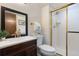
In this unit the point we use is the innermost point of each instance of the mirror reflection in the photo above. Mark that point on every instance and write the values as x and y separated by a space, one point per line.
15 23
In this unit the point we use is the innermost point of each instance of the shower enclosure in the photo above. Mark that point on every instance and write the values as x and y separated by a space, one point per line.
65 30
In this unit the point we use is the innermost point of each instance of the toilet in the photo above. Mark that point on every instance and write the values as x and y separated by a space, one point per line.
45 49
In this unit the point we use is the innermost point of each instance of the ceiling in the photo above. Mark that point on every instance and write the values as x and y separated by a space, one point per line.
53 6
34 6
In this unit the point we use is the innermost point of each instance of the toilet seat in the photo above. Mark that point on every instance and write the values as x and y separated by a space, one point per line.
47 48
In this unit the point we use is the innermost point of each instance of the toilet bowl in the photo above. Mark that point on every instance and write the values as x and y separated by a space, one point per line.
47 50
44 49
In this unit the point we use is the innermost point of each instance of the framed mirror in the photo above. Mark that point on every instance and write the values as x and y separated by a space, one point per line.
14 22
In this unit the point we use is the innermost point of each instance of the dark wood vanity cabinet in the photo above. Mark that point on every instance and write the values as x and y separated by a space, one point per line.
23 49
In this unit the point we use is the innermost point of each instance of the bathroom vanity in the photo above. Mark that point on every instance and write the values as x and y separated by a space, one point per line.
21 46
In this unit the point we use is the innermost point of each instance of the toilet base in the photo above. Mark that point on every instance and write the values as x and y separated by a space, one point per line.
44 52
47 53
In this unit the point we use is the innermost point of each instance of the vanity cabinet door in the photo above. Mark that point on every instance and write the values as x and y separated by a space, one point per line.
13 50
22 53
0 53
31 51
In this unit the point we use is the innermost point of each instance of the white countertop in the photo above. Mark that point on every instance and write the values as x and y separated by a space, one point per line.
14 41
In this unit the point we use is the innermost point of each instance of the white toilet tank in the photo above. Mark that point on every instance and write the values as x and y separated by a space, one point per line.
39 40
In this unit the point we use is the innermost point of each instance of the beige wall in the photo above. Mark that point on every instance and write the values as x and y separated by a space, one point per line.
35 13
45 22
32 10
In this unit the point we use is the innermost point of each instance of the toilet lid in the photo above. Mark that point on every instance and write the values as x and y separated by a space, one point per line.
47 48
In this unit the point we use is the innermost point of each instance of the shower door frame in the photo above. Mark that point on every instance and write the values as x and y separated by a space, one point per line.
66 25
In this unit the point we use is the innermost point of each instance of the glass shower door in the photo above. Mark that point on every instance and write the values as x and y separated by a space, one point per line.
73 30
59 31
